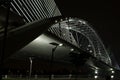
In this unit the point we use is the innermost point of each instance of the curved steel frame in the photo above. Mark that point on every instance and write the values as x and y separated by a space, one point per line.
67 28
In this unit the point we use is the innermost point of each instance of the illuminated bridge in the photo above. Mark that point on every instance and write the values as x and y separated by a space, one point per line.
37 26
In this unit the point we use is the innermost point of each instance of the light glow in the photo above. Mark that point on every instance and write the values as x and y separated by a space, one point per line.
113 71
68 28
55 21
89 45
61 44
83 22
112 76
63 34
71 49
96 71
61 19
95 76
66 18
90 51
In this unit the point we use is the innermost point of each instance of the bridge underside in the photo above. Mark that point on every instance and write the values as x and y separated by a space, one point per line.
32 39
38 46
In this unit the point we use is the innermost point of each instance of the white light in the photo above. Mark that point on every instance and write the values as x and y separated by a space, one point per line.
96 71
71 49
96 77
80 45
96 68
89 45
70 19
113 71
68 28
61 19
55 21
63 34
80 21
83 22
61 44
90 51
87 48
112 76
82 30
99 53
41 39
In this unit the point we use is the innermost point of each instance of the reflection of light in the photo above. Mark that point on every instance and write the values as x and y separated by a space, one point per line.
95 76
61 44
112 76
42 39
56 44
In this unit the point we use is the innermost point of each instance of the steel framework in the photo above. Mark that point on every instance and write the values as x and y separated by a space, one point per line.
79 33
73 30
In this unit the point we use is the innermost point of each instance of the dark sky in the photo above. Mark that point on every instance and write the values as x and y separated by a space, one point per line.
104 16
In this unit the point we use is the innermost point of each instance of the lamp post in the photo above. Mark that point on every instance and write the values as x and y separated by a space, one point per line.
52 56
3 42
30 71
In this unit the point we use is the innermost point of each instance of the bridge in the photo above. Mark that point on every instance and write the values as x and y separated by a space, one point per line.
36 29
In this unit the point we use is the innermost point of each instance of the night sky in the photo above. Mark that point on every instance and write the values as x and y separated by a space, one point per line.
104 16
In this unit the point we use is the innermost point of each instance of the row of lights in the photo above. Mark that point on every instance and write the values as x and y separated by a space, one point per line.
83 22
112 71
96 73
91 51
53 43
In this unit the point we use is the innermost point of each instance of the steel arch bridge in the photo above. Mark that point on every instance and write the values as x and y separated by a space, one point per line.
73 30
80 34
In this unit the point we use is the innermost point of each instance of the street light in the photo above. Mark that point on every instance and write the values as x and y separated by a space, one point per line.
52 56
31 61
112 76
95 76
96 71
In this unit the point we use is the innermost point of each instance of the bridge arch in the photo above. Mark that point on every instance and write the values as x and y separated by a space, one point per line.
79 33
